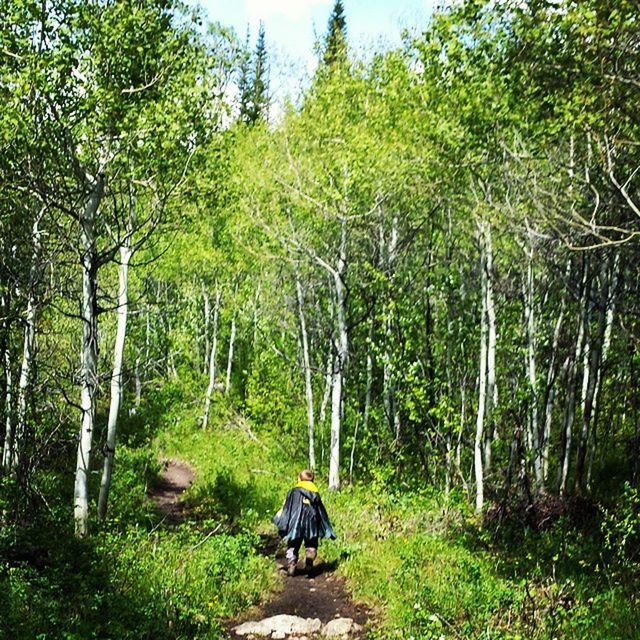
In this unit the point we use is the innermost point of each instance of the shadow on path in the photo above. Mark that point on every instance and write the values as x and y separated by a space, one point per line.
314 593
317 593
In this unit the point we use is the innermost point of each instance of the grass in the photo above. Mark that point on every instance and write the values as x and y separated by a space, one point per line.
431 571
423 563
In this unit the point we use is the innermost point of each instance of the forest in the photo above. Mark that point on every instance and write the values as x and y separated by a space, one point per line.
417 277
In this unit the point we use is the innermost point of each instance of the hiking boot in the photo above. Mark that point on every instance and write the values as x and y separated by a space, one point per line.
310 556
291 569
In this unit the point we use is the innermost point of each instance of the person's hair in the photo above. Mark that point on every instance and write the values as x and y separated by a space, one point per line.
306 475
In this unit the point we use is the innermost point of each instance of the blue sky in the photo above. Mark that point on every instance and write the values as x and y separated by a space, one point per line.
292 27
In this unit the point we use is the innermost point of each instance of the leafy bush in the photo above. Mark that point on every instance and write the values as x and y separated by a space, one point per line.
621 530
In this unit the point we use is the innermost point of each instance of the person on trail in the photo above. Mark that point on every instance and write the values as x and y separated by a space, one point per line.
303 518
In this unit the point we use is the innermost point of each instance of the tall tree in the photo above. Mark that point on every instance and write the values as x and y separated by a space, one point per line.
254 82
334 51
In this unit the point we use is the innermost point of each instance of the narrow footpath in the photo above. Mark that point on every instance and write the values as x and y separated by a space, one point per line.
311 605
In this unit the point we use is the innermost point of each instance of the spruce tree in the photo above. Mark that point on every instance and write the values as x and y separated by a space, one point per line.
335 47
254 82
260 78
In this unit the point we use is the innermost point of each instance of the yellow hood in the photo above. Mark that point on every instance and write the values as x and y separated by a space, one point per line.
308 485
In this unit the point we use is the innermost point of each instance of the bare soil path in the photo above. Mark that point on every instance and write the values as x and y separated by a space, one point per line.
315 594
175 478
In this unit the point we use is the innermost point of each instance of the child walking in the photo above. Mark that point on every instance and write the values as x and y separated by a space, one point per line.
303 518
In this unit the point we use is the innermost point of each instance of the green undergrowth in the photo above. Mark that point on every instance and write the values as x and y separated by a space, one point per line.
138 575
431 571
424 563
240 479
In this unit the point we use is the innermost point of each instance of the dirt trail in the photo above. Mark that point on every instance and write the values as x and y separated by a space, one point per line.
317 593
175 478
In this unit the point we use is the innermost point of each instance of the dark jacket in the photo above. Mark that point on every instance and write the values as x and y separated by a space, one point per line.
303 514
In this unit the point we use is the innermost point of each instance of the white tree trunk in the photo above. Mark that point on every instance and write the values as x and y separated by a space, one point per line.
336 420
28 347
595 372
572 381
367 402
212 361
340 364
88 358
232 340
482 383
389 385
369 380
606 344
322 416
492 387
306 365
551 380
207 320
533 433
147 340
138 383
116 379
8 403
458 453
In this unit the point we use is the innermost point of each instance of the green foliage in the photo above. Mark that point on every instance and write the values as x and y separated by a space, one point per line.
162 582
274 396
434 572
621 531
240 480
168 584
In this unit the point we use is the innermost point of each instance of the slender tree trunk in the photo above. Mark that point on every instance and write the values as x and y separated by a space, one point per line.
594 366
572 382
88 358
212 360
342 349
232 341
207 321
611 304
24 382
458 453
8 405
550 391
336 418
492 387
482 383
369 380
138 383
389 393
116 379
388 376
449 448
328 377
306 365
147 340
533 433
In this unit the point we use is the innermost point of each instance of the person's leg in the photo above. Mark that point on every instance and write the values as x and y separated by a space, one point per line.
310 551
293 547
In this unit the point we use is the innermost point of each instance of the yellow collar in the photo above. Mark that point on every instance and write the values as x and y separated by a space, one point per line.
308 485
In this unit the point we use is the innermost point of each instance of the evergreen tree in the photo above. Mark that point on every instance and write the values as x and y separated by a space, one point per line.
254 82
335 44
